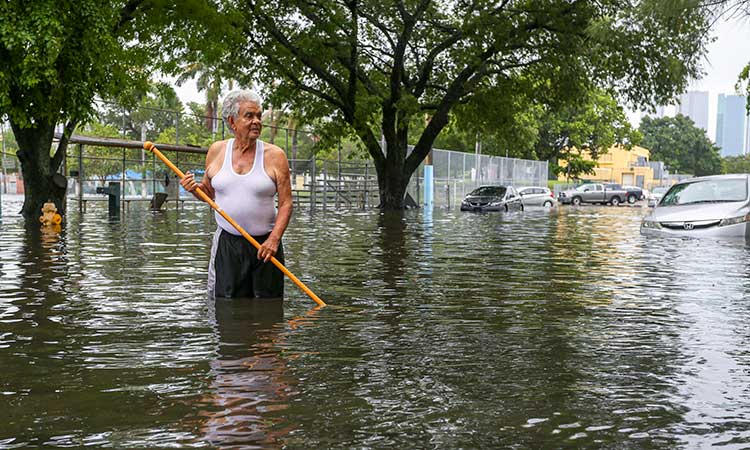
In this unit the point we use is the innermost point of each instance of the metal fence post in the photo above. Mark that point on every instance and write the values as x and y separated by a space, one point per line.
177 128
312 184
367 176
177 191
122 180
80 177
153 173
325 187
340 182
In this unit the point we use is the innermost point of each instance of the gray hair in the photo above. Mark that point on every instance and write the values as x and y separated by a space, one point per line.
230 107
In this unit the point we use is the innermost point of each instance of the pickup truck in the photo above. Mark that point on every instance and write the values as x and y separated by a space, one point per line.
602 193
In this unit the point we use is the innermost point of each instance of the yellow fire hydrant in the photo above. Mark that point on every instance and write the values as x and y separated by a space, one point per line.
50 217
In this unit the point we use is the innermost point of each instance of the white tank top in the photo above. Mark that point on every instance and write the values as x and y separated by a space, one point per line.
247 198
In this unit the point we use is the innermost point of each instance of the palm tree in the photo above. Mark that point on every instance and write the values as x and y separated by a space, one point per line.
207 79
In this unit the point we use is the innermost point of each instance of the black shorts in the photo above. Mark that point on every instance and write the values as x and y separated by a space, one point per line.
235 270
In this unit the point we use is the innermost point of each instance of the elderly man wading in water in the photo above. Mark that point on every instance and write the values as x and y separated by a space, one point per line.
243 175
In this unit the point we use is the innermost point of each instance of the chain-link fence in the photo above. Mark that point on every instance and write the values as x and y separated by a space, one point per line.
455 174
107 150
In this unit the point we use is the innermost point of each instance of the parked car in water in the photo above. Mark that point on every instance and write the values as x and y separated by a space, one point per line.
492 198
602 193
713 206
537 196
656 194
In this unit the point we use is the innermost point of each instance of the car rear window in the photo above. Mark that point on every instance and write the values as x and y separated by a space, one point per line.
706 191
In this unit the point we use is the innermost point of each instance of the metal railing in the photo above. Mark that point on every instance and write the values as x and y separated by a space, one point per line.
316 183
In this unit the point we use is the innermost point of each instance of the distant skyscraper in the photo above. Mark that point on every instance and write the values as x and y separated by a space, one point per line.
694 104
730 124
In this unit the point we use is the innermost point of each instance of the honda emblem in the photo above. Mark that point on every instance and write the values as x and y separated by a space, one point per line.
688 226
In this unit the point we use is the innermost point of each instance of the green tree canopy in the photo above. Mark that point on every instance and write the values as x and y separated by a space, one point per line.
372 66
683 147
736 164
58 56
594 124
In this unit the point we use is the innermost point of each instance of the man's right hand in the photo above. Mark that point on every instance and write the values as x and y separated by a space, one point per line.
191 186
188 182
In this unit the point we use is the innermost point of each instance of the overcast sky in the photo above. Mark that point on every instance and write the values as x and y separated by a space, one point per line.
726 58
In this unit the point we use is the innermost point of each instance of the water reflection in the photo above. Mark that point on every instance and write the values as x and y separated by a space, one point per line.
391 251
250 381
543 329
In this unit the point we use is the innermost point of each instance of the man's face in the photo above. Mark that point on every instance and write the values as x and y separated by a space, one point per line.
247 123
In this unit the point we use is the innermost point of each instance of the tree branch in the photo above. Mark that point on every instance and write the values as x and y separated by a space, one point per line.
62 146
127 13
440 118
308 60
295 79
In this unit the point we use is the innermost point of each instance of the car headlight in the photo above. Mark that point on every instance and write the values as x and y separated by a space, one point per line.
652 224
734 220
495 203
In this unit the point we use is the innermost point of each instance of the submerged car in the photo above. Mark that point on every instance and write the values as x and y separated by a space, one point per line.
713 206
537 195
492 198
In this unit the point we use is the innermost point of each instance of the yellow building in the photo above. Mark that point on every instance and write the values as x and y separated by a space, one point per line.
623 166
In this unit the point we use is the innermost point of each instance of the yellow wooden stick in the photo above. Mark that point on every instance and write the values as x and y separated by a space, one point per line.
152 148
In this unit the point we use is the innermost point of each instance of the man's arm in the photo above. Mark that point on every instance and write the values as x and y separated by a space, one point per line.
282 176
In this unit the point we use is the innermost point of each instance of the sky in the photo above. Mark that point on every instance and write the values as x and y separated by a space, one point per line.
725 58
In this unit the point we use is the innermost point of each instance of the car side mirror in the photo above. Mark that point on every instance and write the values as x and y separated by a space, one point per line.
586 190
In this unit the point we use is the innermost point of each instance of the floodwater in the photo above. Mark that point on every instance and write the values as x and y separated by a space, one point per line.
541 329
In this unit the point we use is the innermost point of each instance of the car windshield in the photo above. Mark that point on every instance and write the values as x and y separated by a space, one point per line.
585 187
706 191
494 191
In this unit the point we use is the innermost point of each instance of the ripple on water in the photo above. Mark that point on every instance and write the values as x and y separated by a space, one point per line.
543 329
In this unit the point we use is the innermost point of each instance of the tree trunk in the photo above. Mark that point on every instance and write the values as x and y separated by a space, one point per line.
41 181
392 177
392 191
211 116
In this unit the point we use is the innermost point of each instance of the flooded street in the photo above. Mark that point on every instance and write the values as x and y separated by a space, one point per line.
541 329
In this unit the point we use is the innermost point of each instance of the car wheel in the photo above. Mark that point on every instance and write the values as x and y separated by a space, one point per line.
615 201
576 201
548 204
631 199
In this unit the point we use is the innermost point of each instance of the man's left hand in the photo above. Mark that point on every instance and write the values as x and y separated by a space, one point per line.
268 249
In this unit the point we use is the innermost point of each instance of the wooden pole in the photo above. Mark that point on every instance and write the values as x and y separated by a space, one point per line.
152 148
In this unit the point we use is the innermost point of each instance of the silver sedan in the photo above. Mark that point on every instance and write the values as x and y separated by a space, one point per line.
714 206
